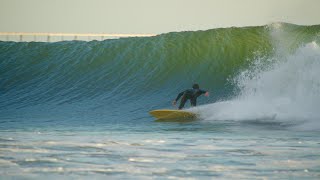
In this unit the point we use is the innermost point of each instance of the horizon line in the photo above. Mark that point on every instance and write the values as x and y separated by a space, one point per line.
75 34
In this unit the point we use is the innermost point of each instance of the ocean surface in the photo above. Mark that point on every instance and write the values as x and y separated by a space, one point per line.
79 110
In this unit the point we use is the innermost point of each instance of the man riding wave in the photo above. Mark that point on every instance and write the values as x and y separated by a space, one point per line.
190 94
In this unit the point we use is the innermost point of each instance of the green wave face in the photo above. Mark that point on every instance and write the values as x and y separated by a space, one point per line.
150 69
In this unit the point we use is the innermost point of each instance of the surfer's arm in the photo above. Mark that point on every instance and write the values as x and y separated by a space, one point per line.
206 93
179 95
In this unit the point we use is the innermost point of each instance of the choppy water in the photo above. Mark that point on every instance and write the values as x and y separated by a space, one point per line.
79 110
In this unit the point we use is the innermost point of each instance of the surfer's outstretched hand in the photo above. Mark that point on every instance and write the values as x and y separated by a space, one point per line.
174 103
206 94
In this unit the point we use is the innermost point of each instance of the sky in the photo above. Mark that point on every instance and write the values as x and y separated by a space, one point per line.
150 16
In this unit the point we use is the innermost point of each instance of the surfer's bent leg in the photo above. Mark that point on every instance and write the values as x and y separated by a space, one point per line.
193 102
183 101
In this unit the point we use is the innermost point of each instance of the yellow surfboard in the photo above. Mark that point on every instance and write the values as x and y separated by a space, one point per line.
169 114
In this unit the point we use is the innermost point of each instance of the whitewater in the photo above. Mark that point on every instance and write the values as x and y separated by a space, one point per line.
286 91
79 110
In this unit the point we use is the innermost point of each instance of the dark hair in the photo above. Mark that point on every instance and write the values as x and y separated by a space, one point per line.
195 86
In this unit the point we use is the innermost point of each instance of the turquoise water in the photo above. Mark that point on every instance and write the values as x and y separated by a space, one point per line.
79 110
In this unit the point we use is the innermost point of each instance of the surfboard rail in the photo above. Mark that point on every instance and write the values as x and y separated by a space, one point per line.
170 114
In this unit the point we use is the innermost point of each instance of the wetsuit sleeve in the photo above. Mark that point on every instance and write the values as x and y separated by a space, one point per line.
202 91
179 95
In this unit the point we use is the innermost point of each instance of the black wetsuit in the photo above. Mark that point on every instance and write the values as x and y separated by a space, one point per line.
191 94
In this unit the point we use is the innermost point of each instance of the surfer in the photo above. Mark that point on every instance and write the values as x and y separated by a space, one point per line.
191 94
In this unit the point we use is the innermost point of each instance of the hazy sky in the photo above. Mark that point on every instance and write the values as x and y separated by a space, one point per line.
149 16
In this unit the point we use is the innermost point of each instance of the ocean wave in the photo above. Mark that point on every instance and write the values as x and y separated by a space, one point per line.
137 73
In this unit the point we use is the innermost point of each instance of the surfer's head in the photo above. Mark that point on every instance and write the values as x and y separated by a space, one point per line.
195 86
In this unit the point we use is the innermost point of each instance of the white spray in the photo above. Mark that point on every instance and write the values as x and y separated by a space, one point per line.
283 88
